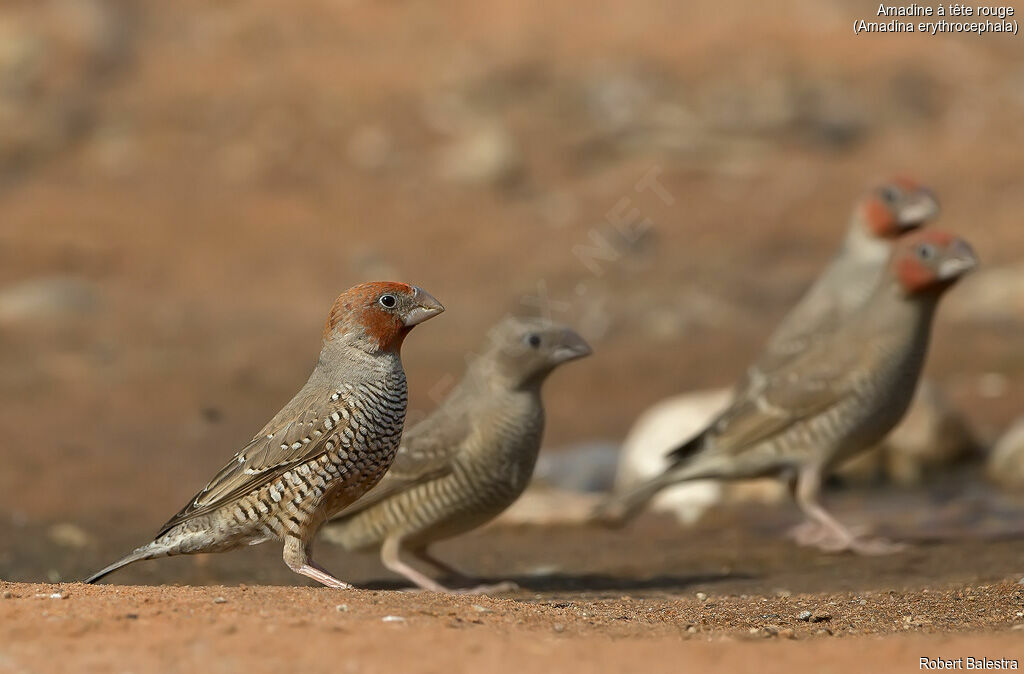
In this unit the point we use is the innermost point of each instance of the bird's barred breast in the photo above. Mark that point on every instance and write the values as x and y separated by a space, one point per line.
356 457
486 478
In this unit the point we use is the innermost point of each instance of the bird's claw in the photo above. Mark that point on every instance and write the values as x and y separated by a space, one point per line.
492 588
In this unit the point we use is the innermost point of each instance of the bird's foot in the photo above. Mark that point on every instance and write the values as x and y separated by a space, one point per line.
858 543
814 534
322 577
490 588
486 588
875 546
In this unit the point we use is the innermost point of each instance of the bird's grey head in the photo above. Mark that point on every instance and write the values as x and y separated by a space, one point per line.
522 351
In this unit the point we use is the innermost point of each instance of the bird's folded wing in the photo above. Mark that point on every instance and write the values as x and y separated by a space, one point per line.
425 454
300 438
809 385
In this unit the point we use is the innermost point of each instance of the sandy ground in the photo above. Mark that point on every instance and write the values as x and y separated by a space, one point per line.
186 186
728 594
51 628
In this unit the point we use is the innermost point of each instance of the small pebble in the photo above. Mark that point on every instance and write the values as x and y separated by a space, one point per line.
341 608
558 627
7 594
481 609
220 600
701 596
804 615
393 619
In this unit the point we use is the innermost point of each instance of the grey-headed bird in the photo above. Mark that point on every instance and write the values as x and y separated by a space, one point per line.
469 460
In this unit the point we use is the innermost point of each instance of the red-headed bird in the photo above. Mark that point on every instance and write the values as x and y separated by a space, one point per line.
327 447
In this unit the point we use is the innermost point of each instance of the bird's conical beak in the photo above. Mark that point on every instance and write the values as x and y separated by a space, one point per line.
425 308
571 347
923 208
959 259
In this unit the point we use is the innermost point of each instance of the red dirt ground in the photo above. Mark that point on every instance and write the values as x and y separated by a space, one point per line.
210 175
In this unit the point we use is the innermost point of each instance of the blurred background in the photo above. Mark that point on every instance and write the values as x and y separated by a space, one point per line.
186 186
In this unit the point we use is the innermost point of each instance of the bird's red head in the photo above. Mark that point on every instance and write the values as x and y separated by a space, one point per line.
898 206
378 315
931 259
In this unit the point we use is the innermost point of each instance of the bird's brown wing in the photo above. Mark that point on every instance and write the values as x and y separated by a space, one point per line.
293 440
425 454
820 378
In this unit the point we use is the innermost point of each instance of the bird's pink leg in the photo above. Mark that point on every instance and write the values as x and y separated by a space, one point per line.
444 567
481 588
390 556
297 555
833 536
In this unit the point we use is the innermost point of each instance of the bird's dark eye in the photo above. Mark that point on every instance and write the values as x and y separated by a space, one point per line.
533 341
926 252
889 195
388 301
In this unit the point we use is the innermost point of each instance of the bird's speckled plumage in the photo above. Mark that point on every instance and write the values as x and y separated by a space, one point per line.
324 449
471 458
839 397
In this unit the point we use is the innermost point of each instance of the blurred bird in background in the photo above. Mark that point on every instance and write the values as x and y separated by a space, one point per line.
836 398
324 449
469 460
884 214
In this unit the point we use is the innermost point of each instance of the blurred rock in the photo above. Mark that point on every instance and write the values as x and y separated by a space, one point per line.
932 437
1006 461
542 506
47 299
830 115
993 385
68 535
54 55
588 467
483 155
616 98
992 295
820 112
660 429
371 147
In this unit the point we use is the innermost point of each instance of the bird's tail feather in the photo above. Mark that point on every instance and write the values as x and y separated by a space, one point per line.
621 507
148 551
687 449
